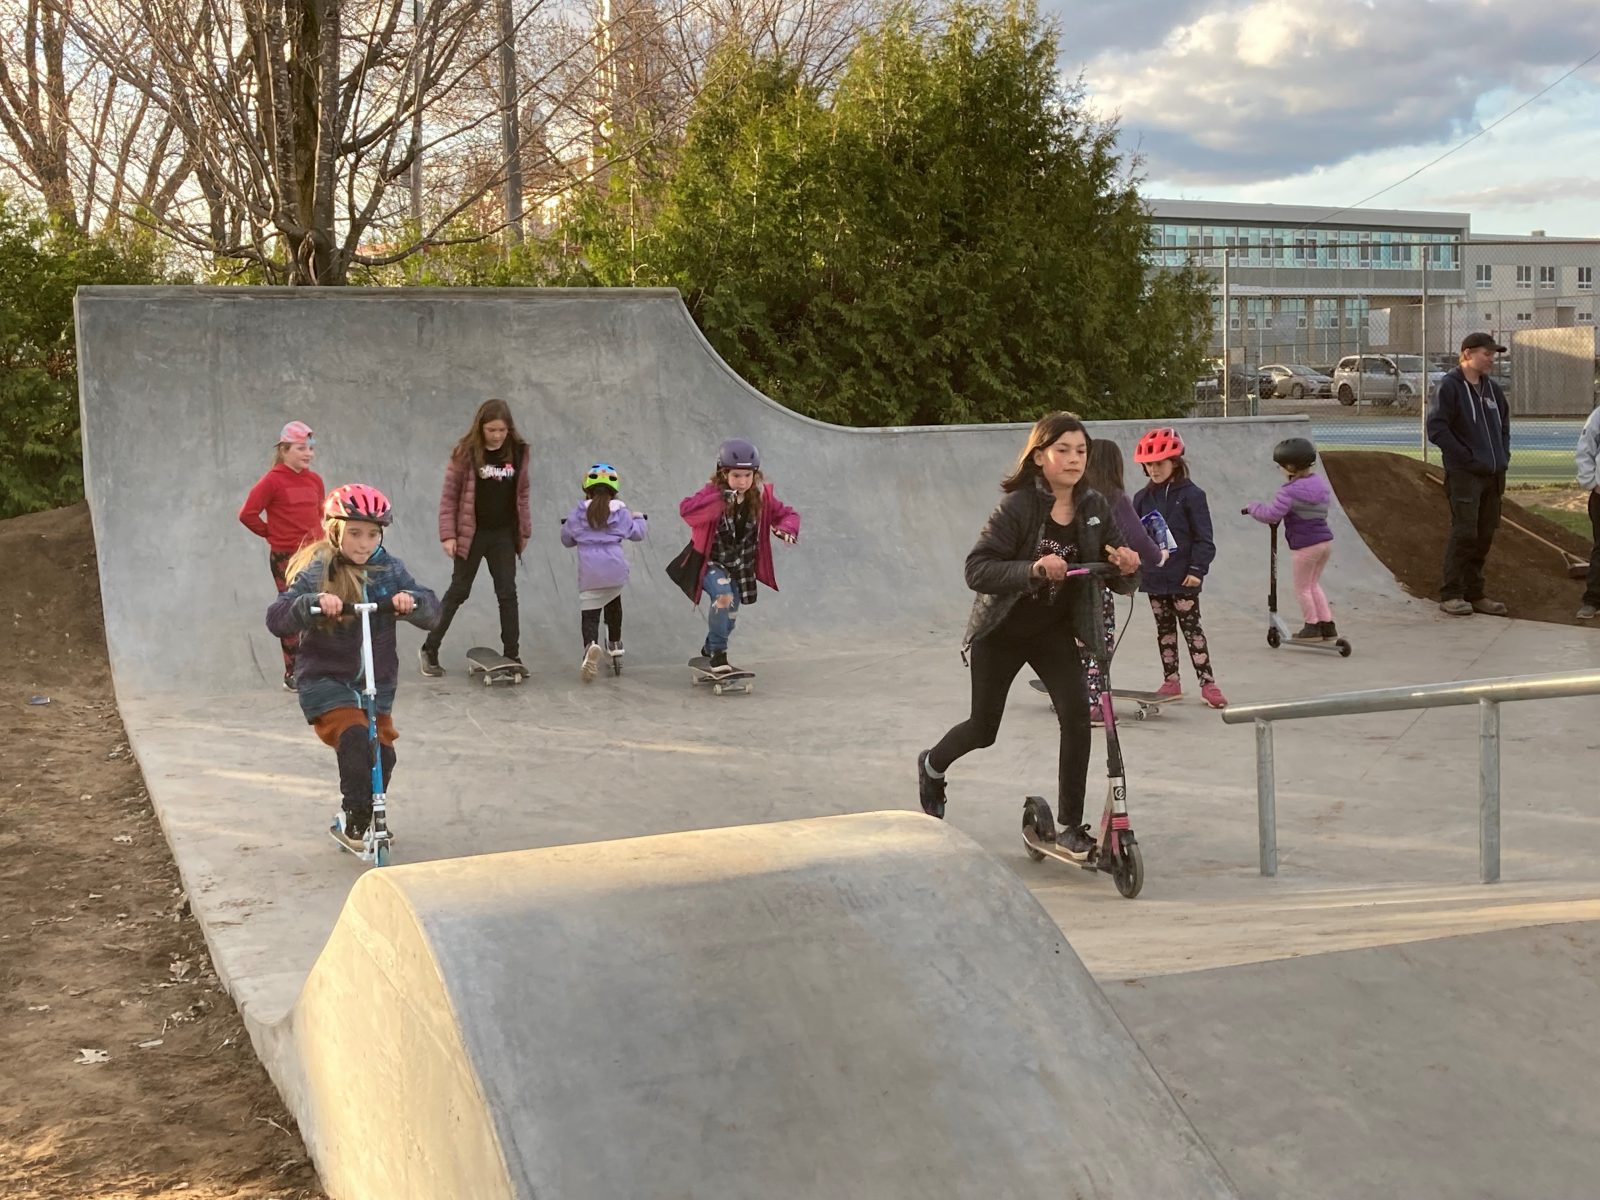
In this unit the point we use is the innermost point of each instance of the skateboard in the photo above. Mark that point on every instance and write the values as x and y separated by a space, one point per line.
728 681
1149 702
494 666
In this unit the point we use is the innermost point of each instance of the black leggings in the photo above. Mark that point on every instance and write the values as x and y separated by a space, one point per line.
499 548
591 622
995 663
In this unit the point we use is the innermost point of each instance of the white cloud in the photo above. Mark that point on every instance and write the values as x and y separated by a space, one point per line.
1524 194
1275 88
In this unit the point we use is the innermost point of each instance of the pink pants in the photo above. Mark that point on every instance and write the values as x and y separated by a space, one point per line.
1308 564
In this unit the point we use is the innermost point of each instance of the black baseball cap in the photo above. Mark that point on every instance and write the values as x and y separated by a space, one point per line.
1481 341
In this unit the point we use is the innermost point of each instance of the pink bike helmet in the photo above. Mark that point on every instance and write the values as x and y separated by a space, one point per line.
357 502
1158 445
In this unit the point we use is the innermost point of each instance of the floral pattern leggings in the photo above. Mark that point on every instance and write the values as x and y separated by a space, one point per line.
1097 675
1173 613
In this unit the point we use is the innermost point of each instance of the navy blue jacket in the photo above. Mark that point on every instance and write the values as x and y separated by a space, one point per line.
1471 437
1183 505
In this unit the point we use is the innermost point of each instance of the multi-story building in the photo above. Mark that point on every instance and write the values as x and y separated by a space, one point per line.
1297 284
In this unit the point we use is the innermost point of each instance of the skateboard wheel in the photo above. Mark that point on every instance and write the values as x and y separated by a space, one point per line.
716 689
487 680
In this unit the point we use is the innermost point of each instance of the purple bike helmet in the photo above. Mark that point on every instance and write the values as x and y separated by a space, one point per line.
738 454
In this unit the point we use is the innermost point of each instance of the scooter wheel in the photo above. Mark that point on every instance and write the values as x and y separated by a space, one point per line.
380 853
1128 870
1344 648
1274 639
1036 819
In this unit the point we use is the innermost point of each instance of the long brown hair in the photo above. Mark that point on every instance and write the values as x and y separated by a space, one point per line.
1045 432
1104 472
339 575
599 509
471 448
752 498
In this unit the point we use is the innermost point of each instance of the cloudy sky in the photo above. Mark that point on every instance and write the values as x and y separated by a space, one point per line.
1323 102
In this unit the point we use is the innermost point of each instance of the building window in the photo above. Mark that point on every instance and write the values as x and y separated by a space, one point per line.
1484 274
1586 279
1547 279
1525 277
1364 252
1524 318
1293 312
1325 313
1585 318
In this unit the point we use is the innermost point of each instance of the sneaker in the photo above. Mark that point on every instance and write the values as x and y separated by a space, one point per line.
1491 608
1308 633
348 833
1075 839
430 662
591 662
614 650
289 684
719 663
1586 613
1096 719
1456 608
929 790
1170 689
1330 631
1213 696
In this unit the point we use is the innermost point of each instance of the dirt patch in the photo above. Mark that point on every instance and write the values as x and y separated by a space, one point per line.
1398 506
98 951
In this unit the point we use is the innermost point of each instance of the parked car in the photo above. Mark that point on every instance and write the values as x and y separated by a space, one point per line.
1383 379
1293 381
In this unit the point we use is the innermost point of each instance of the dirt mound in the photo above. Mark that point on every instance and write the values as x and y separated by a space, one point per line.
1398 505
97 949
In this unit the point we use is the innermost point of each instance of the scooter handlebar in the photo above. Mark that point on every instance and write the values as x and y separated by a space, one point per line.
386 605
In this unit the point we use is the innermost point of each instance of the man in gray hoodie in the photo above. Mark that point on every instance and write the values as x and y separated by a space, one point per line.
1588 456
1470 422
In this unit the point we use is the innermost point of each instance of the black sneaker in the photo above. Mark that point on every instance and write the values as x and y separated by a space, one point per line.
929 789
288 682
719 664
1075 839
430 662
1330 631
1308 633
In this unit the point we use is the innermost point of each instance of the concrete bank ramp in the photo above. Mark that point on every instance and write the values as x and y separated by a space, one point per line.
852 1006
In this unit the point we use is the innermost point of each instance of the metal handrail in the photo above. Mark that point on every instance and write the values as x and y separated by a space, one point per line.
1487 694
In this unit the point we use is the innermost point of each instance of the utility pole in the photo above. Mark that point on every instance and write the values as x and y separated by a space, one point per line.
510 138
1227 324
1427 366
416 116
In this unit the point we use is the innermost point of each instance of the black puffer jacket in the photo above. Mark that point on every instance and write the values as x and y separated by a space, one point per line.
998 566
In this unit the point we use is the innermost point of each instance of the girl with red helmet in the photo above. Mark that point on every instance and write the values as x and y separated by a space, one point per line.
1174 586
484 516
350 565
285 508
1027 611
732 521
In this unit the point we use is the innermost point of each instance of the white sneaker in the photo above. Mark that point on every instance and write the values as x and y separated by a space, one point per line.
591 662
614 651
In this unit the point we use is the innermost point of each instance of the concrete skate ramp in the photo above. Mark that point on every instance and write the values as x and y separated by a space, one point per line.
184 391
850 1006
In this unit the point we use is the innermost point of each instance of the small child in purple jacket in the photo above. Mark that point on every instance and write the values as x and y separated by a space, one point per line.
1302 505
597 527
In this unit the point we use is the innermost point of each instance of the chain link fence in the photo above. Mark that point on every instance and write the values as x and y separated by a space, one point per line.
1356 330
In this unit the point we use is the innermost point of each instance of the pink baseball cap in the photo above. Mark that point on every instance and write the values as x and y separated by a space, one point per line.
296 431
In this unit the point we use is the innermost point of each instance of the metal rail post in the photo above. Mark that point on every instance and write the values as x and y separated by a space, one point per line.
1489 790
1266 800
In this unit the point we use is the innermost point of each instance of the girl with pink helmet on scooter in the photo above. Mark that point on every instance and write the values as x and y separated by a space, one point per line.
349 566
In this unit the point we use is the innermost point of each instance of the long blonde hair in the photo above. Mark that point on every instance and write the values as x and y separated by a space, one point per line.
340 576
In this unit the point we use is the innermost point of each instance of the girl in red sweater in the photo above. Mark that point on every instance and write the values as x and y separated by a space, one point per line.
285 507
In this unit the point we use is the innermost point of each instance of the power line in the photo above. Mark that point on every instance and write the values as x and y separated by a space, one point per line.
1462 145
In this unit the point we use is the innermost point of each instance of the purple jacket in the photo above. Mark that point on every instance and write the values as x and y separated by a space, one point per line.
601 562
1134 534
1302 506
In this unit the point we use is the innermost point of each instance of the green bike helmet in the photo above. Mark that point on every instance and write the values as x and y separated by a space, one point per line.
603 474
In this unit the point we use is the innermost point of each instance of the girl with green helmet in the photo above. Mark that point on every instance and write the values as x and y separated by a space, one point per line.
596 528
